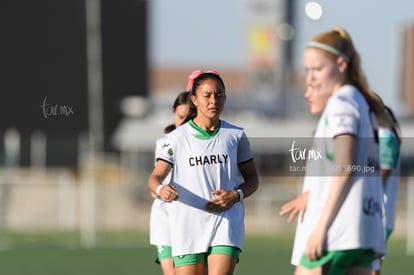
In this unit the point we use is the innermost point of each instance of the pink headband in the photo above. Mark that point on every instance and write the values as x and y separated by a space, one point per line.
196 74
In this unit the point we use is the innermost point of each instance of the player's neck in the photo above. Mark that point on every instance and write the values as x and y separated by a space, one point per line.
208 125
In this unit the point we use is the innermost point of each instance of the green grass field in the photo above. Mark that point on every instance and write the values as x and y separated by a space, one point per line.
129 253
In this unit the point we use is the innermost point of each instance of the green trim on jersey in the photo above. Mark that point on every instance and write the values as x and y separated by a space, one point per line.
203 134
330 155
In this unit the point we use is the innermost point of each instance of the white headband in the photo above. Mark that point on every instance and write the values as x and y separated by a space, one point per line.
328 48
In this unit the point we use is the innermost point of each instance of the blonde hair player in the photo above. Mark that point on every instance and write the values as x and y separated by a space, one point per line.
340 228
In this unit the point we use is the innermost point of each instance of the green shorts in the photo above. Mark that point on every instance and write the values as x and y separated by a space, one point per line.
163 252
337 262
192 259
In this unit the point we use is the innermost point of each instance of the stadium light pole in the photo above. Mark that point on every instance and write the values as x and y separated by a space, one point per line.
95 117
94 73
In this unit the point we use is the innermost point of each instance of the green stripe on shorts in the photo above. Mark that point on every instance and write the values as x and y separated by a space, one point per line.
339 261
164 252
192 259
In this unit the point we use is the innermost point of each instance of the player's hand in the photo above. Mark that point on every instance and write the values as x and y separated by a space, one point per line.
295 207
315 244
168 193
224 200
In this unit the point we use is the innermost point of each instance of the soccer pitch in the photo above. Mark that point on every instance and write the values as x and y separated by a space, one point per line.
129 253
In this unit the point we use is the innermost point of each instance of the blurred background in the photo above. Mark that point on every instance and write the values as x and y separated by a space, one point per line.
88 87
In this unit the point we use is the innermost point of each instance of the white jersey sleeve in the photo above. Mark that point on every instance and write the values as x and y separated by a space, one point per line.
166 151
343 116
244 152
158 145
159 224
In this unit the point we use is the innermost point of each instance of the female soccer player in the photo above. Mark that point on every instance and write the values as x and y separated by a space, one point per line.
340 230
207 156
389 147
159 228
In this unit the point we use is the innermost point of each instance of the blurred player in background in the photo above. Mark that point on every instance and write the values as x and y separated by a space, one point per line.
389 147
159 228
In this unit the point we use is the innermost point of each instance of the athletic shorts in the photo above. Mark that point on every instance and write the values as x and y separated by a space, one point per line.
337 262
192 259
163 252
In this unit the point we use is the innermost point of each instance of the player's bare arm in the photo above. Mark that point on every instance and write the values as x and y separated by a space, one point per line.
167 193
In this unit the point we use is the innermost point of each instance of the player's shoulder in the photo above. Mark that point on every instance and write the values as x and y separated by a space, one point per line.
347 100
160 141
177 133
353 96
232 131
346 95
229 126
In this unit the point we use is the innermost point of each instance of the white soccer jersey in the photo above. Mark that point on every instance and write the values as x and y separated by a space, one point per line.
389 159
358 224
159 227
203 163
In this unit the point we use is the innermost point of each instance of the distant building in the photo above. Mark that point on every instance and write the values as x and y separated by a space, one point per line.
168 79
408 70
